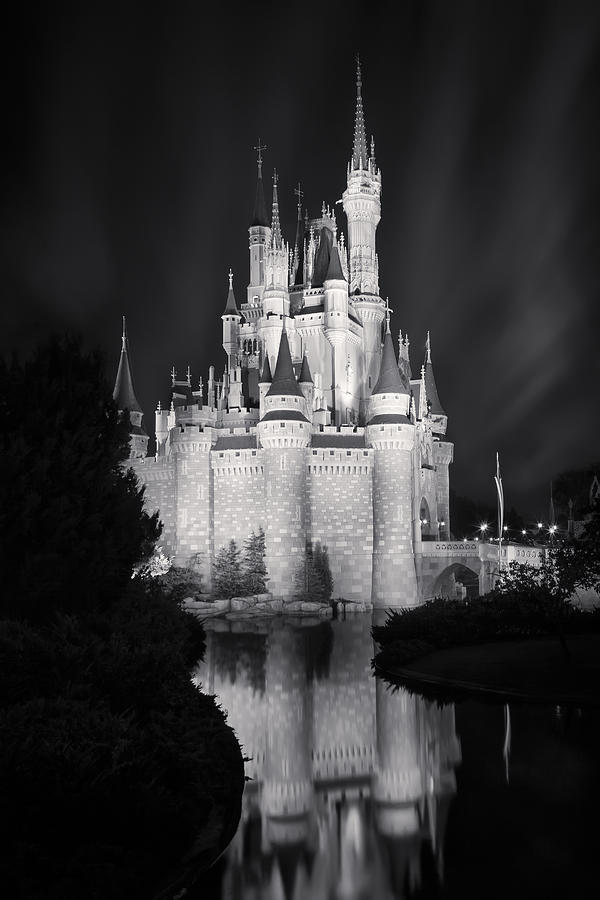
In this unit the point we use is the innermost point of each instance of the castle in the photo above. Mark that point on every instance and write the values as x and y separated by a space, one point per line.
315 431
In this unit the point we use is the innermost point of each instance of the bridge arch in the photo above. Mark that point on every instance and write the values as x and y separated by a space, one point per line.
427 530
456 579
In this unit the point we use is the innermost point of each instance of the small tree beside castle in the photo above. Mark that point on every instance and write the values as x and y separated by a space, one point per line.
235 575
314 581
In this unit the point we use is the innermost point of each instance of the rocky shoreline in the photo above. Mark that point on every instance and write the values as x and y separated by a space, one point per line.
265 605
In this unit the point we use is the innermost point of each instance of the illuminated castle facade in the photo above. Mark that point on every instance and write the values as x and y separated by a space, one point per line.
315 431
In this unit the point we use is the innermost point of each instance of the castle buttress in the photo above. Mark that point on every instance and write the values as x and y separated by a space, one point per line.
314 430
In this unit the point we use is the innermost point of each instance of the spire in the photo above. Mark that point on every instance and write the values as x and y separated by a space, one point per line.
435 406
359 148
334 270
260 207
123 393
305 376
277 240
266 377
231 306
390 380
284 380
298 264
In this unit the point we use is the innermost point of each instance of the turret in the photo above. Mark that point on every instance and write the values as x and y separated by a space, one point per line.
284 434
307 386
275 298
259 235
392 436
436 411
362 205
336 330
126 401
264 383
231 319
443 450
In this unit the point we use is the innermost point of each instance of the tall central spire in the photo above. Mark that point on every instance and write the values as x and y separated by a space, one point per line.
359 148
275 226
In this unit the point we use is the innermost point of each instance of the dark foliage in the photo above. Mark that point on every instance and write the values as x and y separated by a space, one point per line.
228 579
111 762
71 519
313 581
240 654
181 582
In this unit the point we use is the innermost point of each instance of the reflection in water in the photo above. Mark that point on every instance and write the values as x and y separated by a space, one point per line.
351 781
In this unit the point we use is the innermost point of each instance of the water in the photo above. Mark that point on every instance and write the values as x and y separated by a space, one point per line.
360 791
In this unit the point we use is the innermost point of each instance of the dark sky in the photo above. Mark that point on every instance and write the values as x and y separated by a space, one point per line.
129 175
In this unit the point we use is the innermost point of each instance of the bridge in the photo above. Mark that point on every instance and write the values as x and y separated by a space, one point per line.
467 568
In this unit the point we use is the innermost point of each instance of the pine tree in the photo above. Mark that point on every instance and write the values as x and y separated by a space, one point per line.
227 574
255 570
321 563
309 583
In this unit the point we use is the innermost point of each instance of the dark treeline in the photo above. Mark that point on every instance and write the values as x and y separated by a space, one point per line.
111 762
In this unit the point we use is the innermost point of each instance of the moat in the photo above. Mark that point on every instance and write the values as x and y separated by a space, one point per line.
358 790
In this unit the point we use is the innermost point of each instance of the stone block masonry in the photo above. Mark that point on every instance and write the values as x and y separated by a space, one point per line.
340 508
239 495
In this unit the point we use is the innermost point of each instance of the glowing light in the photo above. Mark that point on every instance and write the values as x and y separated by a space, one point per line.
483 527
524 532
540 524
506 528
552 529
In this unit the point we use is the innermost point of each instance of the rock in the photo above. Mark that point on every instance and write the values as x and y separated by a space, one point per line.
311 607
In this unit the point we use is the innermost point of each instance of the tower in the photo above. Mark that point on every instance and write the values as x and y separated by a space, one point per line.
124 397
231 319
259 234
392 436
336 329
443 450
284 434
362 205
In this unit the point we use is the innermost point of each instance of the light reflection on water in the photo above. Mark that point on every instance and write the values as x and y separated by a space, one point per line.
352 783
350 779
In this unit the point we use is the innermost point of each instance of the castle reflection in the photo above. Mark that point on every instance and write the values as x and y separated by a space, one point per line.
351 781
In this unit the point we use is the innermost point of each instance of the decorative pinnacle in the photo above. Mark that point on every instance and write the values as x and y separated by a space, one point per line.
189 375
428 349
230 276
124 337
359 149
173 375
259 149
277 240
299 194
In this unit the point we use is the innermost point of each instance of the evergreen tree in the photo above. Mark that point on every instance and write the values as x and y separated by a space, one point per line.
309 583
227 573
321 563
255 570
72 524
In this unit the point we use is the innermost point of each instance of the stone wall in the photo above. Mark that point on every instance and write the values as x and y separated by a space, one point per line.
239 495
158 478
340 508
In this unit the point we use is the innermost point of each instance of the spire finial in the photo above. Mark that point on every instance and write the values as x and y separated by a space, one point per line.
299 194
259 160
230 276
428 348
388 312
173 376
124 336
359 149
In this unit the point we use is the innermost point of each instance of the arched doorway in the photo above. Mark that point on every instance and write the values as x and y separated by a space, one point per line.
456 582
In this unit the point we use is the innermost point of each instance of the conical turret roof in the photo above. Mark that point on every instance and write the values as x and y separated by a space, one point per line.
284 381
435 406
123 393
322 257
231 306
266 377
334 271
305 376
390 380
